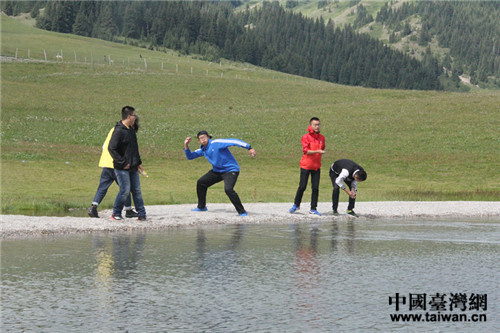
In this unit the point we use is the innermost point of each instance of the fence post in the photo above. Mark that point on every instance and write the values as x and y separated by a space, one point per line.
29 51
16 52
75 55
177 68
45 54
145 64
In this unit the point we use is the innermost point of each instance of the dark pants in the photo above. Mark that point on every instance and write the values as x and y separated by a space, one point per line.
211 178
107 178
336 192
304 175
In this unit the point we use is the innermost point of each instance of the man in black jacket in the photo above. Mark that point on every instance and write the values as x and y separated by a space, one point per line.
124 150
351 173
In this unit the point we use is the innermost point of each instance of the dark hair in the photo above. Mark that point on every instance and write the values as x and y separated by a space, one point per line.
127 111
200 133
313 118
136 123
362 175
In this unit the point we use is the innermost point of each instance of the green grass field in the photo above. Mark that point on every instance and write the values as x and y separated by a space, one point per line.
414 145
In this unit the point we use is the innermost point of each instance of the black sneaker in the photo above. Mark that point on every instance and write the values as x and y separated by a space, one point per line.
335 213
131 213
142 218
93 211
352 213
116 217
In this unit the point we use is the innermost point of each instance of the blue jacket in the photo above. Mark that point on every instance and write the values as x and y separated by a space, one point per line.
218 154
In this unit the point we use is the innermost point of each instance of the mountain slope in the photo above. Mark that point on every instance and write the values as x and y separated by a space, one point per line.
266 36
462 35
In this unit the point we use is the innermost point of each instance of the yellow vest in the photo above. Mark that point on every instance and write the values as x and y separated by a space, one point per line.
106 160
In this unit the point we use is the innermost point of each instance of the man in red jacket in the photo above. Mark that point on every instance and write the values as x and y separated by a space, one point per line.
313 146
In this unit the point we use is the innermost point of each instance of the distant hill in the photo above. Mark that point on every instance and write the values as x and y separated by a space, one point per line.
267 36
464 36
406 45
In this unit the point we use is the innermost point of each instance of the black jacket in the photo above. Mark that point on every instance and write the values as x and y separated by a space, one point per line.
123 147
349 165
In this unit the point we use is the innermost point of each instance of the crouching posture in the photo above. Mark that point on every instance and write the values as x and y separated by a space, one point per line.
349 172
225 167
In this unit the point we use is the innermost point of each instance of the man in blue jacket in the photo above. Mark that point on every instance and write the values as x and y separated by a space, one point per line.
225 167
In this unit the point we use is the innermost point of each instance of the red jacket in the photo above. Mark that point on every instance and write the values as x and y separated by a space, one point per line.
312 141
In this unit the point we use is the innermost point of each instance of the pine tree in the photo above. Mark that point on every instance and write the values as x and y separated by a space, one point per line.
392 38
64 17
406 29
130 26
83 25
35 10
105 28
8 8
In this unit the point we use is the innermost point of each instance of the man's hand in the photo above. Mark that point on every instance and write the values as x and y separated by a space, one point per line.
252 152
352 194
127 167
310 152
186 142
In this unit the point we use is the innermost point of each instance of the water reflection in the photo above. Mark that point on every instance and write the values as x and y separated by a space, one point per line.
332 276
307 277
119 258
351 236
226 253
343 240
335 235
116 263
306 249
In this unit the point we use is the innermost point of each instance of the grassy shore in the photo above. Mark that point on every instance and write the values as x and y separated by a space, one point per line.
414 145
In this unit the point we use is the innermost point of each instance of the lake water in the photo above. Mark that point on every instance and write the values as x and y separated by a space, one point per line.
332 276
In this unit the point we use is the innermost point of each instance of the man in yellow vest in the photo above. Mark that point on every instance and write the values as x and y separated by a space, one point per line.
108 177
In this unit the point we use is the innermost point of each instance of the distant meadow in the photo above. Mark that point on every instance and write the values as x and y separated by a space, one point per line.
57 111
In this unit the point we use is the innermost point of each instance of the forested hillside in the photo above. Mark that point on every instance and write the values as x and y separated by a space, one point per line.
469 29
267 36
462 35
459 37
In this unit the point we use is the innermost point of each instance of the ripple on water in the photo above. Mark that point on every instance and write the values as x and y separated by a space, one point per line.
321 277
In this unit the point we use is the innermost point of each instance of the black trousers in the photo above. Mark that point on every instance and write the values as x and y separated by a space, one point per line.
304 176
336 192
211 178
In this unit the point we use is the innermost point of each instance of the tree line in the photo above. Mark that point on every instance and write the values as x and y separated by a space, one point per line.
268 36
470 29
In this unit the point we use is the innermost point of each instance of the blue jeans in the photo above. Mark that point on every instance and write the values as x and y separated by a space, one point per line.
107 178
129 183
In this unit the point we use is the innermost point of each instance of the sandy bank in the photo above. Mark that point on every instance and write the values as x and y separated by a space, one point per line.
161 217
